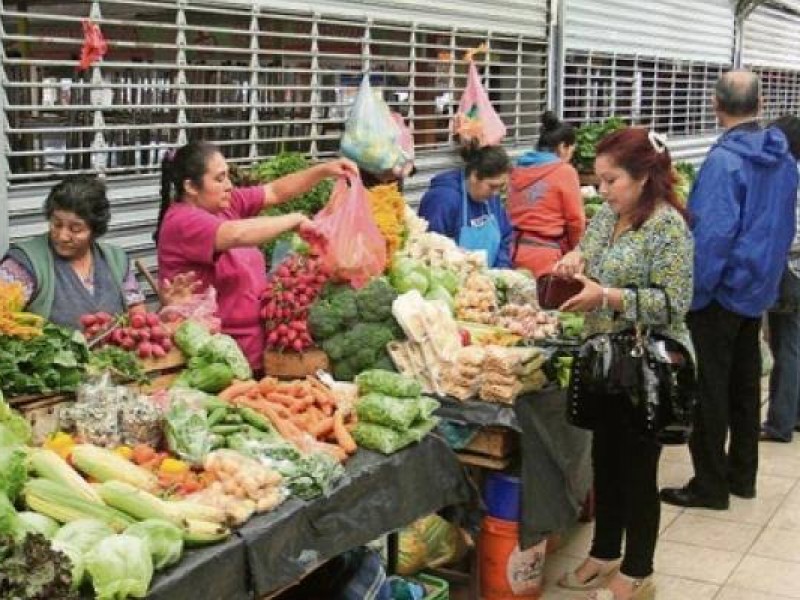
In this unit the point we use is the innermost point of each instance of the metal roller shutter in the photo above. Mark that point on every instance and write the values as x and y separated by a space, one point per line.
648 64
256 78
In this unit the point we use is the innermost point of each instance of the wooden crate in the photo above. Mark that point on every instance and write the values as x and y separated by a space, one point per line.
292 365
174 360
43 413
497 442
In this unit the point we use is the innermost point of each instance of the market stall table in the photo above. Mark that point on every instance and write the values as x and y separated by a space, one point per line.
379 494
555 457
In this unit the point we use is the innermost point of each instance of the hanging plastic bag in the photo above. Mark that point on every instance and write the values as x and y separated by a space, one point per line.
372 137
406 141
356 250
476 119
94 44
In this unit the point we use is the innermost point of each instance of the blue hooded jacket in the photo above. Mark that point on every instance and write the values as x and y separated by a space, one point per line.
442 205
743 220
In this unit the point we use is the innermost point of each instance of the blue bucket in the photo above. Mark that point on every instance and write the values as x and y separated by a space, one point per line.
501 494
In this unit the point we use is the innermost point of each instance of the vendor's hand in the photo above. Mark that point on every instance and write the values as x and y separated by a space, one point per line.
308 231
340 167
570 265
588 299
180 290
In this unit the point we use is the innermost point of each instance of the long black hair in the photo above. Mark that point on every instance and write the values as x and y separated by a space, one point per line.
485 161
554 132
189 162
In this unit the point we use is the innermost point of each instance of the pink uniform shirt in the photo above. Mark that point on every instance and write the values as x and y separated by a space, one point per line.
186 243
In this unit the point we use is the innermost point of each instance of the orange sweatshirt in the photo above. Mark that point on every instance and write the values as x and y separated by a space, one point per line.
545 200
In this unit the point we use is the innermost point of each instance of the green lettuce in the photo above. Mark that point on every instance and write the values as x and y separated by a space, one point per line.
164 540
120 566
13 472
83 534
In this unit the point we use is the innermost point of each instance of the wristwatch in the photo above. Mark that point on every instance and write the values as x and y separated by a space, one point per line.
604 305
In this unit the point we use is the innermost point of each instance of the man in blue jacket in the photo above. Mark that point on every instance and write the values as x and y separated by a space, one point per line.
742 208
464 204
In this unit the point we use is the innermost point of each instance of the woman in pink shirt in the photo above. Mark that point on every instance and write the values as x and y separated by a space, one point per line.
213 230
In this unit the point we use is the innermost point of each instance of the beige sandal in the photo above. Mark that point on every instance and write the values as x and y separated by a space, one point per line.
606 570
643 589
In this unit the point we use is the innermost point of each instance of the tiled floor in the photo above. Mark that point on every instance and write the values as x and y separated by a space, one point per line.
750 552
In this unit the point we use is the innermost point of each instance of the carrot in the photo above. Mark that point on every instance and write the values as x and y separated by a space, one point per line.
343 437
316 413
237 388
322 428
323 389
285 427
335 451
267 385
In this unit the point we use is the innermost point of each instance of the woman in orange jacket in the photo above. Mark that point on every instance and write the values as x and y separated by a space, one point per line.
544 200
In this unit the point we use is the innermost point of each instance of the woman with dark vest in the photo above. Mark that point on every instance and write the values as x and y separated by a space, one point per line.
66 272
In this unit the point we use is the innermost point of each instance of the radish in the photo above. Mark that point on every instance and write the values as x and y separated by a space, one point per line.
297 345
138 321
145 350
158 351
88 320
166 344
152 319
157 333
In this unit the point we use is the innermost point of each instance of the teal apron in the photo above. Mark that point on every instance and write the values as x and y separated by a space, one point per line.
479 234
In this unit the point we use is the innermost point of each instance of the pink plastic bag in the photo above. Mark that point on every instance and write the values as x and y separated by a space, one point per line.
476 118
355 250
202 307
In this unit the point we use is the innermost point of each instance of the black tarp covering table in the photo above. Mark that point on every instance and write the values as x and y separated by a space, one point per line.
555 457
379 494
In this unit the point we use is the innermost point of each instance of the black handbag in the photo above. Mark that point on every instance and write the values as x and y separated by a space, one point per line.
653 372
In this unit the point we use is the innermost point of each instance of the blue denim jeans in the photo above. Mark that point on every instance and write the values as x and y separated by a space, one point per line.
784 341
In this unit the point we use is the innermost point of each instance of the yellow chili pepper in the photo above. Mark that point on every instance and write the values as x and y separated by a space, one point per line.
173 466
125 452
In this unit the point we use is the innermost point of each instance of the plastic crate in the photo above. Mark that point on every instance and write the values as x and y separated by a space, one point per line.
435 588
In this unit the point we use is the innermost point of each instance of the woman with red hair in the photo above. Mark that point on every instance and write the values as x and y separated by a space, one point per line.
637 246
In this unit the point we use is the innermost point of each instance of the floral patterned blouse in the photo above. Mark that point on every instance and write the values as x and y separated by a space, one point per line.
657 258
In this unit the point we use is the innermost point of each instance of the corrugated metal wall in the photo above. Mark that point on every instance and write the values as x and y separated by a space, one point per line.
772 38
667 28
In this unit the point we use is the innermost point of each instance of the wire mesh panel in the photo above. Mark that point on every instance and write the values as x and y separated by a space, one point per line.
669 95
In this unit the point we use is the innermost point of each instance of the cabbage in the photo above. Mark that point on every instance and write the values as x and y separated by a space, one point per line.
77 561
164 540
191 336
438 292
120 566
410 280
221 348
83 534
445 278
36 523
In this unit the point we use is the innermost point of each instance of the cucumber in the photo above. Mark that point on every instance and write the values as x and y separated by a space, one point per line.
218 441
226 429
217 416
256 419
212 403
233 418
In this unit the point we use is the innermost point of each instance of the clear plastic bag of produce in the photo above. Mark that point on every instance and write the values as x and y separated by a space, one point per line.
397 413
355 249
430 542
386 382
187 431
201 308
379 438
191 336
476 120
372 137
419 429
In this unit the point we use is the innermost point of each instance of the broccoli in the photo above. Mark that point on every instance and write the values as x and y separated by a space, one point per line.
344 303
323 321
384 362
343 371
369 335
336 347
375 301
363 358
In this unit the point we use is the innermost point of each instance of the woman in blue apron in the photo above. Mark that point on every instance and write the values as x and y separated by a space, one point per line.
464 204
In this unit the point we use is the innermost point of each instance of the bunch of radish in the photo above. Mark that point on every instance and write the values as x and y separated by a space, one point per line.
290 292
142 333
